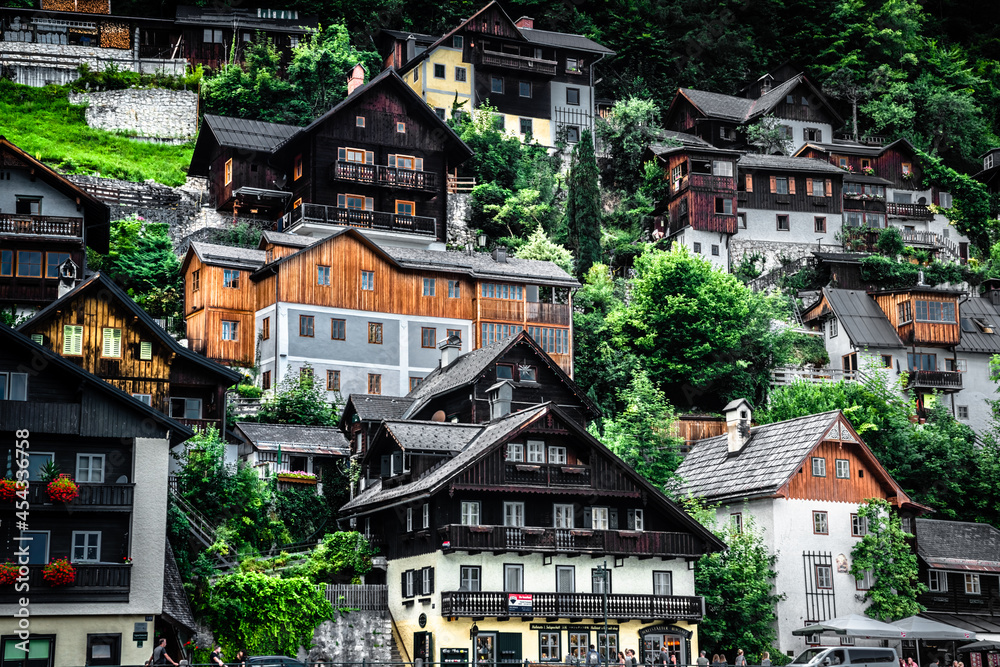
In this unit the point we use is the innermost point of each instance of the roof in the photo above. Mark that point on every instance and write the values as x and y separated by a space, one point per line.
958 545
767 460
374 407
280 238
683 137
176 607
974 339
403 34
862 319
718 105
228 256
865 178
231 17
841 257
844 147
102 282
785 163
431 436
564 40
295 438
254 135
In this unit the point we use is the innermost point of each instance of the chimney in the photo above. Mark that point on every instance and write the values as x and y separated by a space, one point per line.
450 350
738 416
500 254
525 22
356 78
68 272
500 395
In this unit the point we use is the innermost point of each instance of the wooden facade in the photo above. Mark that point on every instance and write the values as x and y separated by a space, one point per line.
208 302
758 190
901 309
863 482
699 198
891 162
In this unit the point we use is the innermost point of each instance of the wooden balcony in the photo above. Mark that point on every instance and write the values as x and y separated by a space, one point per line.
786 375
713 183
200 424
526 474
503 310
942 380
377 174
104 497
350 217
548 313
40 225
575 605
515 62
918 211
95 582
500 539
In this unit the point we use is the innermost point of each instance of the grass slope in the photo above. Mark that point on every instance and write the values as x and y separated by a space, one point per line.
41 122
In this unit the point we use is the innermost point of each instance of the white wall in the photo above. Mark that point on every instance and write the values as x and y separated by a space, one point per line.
799 125
688 236
762 225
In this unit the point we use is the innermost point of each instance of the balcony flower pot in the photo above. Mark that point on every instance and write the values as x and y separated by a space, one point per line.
8 573
533 531
480 529
629 533
8 490
59 572
297 477
527 468
574 470
581 533
62 489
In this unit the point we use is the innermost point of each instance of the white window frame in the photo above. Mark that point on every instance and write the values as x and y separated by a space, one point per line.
230 330
664 583
409 583
866 581
859 525
828 578
425 580
639 520
605 520
846 468
409 519
818 466
85 473
471 513
563 516
426 516
937 581
511 568
536 451
557 455
972 584
515 452
72 339
86 534
465 573
562 570
513 514
7 386
144 398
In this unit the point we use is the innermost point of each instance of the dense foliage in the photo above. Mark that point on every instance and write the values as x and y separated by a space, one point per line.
299 399
583 205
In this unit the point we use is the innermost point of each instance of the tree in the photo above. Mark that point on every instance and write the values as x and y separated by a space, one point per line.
768 135
971 212
625 132
845 84
299 400
539 246
583 206
884 556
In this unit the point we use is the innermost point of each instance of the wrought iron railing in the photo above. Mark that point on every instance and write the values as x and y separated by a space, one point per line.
573 605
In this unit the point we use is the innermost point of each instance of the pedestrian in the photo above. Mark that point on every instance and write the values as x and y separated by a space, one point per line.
934 663
241 658
621 659
215 659
571 658
910 663
715 660
160 656
663 657
634 660
765 659
722 660
702 660
593 657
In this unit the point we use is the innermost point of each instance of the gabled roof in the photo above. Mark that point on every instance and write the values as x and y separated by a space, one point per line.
564 40
295 438
785 163
865 178
845 147
97 221
958 545
240 133
247 19
232 257
862 319
972 312
42 357
280 238
176 607
375 407
430 436
99 281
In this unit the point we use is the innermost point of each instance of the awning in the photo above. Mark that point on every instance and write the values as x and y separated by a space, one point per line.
852 625
980 647
918 627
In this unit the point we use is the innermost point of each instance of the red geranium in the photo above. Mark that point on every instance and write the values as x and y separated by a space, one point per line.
59 572
63 489
8 573
8 490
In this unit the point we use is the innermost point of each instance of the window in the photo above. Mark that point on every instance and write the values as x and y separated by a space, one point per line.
470 513
515 452
460 73
820 225
401 128
696 247
28 206
86 546
525 126
265 380
781 186
307 325
548 645
374 383
524 88
7 262
428 337
454 289
723 205
297 169
368 280
817 187
90 468
562 516
322 275
425 521
636 520
907 168
811 133
439 71
359 121
937 582
527 374
496 84
13 386
338 329
505 372
944 201
921 362
513 578
820 524
306 373
722 168
600 579
229 171
111 342
375 333
408 588
29 264
859 526
565 579
72 339
536 451
52 262
818 467
404 207
742 218
439 112
935 311
783 223
843 468
572 134
599 518
736 520
332 380
972 584
265 328
956 365
573 96
866 580
886 361
429 284
231 278
557 455
663 583
963 411
195 280
904 312
573 65
824 576
416 74
715 250
144 398
426 579
513 515
470 577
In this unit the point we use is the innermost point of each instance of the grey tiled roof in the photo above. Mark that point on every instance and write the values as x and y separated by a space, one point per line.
280 238
248 134
962 545
431 436
224 255
785 163
683 137
976 341
564 40
480 264
865 178
845 148
374 407
719 105
295 438
176 607
846 257
773 97
862 319
765 463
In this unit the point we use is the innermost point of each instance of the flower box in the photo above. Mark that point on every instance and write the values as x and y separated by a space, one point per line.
59 572
533 531
480 529
8 490
581 533
527 468
574 470
62 489
629 533
297 477
8 573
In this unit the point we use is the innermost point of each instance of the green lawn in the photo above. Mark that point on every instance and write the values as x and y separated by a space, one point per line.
41 122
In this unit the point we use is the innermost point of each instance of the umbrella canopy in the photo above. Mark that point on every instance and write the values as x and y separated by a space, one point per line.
918 627
853 625
980 647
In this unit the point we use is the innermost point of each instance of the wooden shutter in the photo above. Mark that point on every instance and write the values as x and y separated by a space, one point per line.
38 338
613 518
402 579
72 339
829 187
369 203
145 350
430 580
392 160
774 184
809 186
631 519
386 467
749 180
342 154
418 164
397 462
111 345
791 185
588 520
369 157
509 647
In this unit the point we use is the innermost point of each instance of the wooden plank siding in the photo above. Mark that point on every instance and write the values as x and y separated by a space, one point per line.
811 112
887 165
861 485
916 332
210 304
761 197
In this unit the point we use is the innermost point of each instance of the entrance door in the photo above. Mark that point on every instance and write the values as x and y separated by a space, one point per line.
509 647
422 646
486 648
652 644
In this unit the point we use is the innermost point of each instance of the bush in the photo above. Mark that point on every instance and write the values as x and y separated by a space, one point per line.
890 242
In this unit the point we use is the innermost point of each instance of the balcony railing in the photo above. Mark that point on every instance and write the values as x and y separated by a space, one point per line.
786 375
377 174
920 211
711 182
575 605
501 309
514 61
94 582
42 225
334 215
104 496
935 379
552 540
548 313
541 475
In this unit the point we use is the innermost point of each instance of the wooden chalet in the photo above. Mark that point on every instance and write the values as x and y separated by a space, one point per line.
460 511
277 449
116 449
44 221
991 169
99 328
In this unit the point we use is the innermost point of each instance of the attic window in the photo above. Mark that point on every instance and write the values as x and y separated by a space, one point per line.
984 325
359 121
505 372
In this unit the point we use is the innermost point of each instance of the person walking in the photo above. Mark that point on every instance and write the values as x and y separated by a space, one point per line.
765 659
160 656
241 658
621 659
715 660
215 659
593 657
632 660
663 657
702 660
722 660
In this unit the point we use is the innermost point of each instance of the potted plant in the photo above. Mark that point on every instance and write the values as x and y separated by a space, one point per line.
63 489
297 476
59 572
8 490
8 573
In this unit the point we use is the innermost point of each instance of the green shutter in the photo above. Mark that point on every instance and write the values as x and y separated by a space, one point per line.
145 350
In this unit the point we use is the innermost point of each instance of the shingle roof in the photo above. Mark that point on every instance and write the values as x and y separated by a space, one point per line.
773 97
253 135
480 264
958 545
845 257
973 338
373 407
767 460
865 178
295 438
176 607
785 163
862 319
412 435
719 105
224 255
564 40
683 137
280 238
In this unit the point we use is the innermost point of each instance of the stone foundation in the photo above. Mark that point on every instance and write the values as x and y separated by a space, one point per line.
145 112
774 251
353 637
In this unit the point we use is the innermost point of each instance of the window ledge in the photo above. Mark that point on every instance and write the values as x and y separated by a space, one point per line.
521 467
424 600
480 529
408 603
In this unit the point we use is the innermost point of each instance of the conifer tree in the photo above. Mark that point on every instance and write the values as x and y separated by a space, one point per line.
583 205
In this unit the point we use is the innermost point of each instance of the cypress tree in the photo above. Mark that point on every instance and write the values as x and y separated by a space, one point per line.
583 205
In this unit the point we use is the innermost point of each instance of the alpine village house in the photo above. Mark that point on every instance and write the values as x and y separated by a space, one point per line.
483 489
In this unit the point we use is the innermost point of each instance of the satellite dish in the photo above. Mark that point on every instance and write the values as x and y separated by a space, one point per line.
438 416
281 180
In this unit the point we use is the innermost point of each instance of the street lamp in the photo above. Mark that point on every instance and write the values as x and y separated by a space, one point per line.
473 634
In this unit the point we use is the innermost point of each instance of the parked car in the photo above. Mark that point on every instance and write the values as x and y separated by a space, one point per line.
274 661
862 656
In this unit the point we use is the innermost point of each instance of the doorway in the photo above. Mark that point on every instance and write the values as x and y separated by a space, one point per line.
652 644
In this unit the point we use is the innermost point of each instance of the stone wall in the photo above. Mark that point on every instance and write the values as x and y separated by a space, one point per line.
459 207
36 64
146 112
353 637
773 251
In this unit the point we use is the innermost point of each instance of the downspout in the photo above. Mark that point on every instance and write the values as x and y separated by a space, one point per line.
593 102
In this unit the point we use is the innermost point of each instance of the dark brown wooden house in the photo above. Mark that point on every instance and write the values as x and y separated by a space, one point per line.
44 220
99 328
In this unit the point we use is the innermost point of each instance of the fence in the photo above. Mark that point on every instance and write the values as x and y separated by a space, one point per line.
788 375
358 597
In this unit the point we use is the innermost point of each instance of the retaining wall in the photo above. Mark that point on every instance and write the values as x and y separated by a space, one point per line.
146 112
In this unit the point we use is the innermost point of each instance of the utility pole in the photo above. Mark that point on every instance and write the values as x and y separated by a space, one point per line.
604 591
